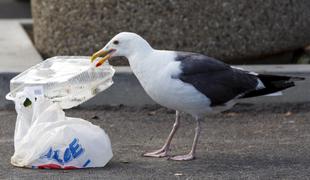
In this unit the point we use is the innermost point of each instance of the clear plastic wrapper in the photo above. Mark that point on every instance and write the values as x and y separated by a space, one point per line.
67 80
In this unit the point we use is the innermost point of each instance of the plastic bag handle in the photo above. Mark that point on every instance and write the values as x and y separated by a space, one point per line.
9 96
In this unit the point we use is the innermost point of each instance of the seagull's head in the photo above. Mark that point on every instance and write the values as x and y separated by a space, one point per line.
123 44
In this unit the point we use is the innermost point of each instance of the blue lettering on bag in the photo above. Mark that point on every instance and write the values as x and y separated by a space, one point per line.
86 163
56 157
75 148
73 151
48 155
67 155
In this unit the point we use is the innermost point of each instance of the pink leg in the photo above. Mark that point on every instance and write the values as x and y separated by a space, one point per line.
163 152
191 154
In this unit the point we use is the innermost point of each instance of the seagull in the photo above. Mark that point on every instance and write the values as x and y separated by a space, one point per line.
187 82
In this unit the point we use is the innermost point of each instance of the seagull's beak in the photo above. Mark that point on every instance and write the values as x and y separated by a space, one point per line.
106 54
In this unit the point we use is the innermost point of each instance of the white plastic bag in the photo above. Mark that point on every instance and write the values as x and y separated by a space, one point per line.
46 138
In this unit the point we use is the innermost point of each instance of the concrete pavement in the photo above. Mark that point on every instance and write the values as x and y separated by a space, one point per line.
249 142
17 53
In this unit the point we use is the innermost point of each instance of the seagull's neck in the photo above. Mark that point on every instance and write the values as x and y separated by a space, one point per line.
139 58
148 63
140 52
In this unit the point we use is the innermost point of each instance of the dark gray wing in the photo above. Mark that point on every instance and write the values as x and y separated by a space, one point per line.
215 79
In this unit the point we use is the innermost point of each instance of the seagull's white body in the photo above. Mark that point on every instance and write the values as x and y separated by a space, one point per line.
159 82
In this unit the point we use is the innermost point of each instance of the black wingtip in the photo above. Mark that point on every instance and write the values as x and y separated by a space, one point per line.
273 78
297 78
273 83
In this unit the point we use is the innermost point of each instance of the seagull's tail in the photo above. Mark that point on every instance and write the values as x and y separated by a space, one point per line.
272 85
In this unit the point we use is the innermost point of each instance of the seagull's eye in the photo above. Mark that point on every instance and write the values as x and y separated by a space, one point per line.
116 42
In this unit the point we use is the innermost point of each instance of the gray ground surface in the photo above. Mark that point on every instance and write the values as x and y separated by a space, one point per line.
250 141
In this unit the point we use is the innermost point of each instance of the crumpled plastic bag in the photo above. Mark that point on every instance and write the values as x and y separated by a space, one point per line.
45 138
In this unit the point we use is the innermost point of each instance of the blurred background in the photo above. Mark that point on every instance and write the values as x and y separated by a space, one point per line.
237 32
15 9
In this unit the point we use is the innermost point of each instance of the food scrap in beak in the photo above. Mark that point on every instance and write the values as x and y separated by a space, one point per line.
106 56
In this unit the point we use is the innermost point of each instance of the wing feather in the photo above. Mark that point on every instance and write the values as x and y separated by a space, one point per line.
215 79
